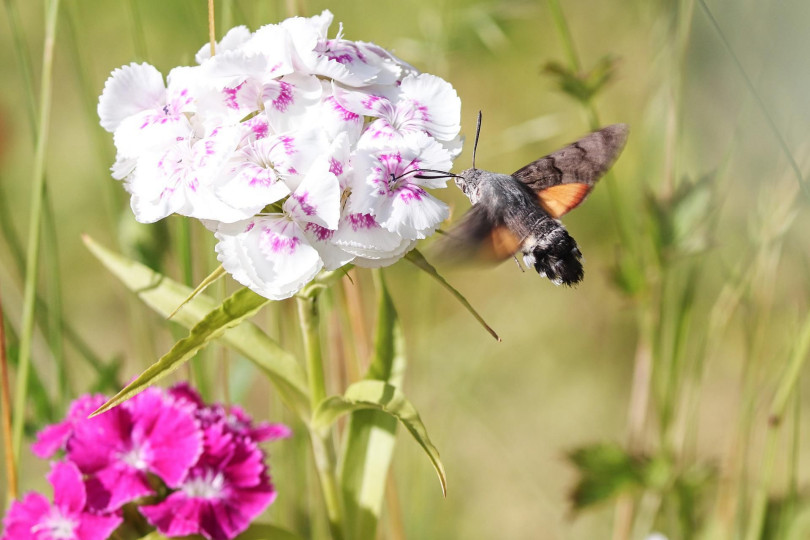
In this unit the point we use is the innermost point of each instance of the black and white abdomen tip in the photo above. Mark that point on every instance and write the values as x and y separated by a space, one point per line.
555 255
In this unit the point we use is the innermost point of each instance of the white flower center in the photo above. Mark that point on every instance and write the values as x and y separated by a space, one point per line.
58 526
135 458
208 485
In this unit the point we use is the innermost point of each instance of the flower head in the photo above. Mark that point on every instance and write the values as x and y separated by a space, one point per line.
119 449
298 148
34 518
222 493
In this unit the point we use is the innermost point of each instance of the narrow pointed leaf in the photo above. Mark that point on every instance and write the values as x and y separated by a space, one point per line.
419 260
211 278
163 295
371 434
380 396
233 310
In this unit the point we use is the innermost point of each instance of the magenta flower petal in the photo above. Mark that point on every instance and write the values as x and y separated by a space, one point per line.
184 393
94 527
24 515
178 515
150 433
54 437
116 485
35 519
172 436
68 487
265 431
226 489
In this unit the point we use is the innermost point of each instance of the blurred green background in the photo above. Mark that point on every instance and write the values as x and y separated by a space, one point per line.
696 250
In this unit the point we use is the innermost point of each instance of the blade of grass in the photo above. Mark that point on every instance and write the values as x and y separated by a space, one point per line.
35 224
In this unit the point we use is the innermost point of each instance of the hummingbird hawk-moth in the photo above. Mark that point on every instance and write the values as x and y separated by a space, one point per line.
521 211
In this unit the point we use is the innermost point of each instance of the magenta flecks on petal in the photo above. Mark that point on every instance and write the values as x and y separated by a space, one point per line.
321 233
341 51
305 206
284 242
285 97
345 115
410 192
335 167
362 222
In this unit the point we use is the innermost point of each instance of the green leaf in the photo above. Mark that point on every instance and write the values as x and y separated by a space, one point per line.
233 310
371 434
163 295
607 470
583 86
419 260
211 278
378 395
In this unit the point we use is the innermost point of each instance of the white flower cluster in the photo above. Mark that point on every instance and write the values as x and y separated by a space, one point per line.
298 151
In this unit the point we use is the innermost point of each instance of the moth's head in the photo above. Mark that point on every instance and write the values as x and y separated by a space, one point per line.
468 182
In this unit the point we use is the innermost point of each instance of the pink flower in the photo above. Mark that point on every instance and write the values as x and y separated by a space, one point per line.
34 518
150 433
234 418
227 488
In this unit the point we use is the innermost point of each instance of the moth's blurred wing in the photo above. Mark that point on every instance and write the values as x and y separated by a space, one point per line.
563 179
477 237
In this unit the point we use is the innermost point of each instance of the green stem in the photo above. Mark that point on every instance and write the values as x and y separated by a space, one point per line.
787 385
35 225
322 449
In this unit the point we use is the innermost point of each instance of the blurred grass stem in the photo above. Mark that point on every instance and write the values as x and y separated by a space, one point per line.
787 386
35 226
5 404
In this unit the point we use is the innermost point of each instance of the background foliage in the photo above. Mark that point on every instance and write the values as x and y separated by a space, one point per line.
696 272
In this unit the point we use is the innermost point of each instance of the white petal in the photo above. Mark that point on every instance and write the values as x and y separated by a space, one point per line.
413 213
438 103
386 261
332 255
149 131
234 39
359 234
317 199
289 100
129 90
270 255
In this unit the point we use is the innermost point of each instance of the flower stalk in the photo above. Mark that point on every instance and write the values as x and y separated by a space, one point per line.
322 448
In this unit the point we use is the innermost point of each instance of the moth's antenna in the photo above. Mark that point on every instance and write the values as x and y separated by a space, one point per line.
477 132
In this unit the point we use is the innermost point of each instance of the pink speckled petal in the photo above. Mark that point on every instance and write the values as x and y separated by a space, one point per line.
129 90
268 254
